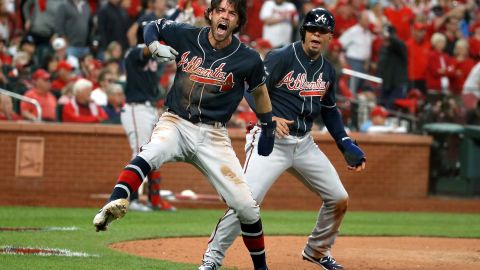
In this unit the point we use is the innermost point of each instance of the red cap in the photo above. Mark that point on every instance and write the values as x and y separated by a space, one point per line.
335 45
41 74
65 65
97 63
419 26
379 111
262 43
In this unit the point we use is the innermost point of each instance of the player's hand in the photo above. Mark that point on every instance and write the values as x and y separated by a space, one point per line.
282 126
267 138
162 53
353 154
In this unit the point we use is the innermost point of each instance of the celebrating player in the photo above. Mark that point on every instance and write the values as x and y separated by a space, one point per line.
300 82
213 68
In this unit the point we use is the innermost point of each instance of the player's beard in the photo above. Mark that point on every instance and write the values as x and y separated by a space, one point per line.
220 38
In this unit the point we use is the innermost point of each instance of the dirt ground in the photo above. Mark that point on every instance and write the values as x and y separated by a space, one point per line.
365 253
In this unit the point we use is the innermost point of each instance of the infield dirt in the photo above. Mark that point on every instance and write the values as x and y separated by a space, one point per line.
365 253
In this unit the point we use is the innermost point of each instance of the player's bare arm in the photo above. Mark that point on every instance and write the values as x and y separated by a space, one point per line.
262 99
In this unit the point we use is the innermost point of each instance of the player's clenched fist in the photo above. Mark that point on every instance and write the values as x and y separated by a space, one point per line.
162 53
267 138
353 154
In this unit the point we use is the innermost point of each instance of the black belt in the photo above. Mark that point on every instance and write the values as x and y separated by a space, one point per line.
148 103
216 124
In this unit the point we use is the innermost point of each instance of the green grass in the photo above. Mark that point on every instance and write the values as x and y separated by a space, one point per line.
190 223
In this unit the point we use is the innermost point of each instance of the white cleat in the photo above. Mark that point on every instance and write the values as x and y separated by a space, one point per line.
113 210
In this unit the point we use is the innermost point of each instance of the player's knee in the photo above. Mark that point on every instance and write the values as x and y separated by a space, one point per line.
341 207
155 154
247 213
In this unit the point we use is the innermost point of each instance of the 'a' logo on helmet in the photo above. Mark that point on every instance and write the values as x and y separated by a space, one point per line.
321 18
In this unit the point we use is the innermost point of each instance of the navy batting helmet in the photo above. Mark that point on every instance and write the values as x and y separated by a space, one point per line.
318 19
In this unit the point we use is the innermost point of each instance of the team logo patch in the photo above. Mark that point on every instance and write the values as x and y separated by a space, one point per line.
209 76
307 89
321 18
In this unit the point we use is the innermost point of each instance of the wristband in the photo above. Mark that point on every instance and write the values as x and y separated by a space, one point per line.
265 117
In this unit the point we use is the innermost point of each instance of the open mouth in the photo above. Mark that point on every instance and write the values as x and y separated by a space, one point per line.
316 42
222 27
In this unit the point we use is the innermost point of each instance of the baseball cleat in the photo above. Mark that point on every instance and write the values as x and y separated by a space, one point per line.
207 266
326 263
111 211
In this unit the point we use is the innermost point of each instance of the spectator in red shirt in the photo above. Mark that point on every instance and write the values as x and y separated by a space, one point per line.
4 56
6 109
41 93
439 66
401 17
81 109
452 33
64 72
462 66
474 42
254 26
345 17
418 48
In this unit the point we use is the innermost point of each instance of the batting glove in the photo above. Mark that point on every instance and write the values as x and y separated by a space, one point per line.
162 53
267 138
352 153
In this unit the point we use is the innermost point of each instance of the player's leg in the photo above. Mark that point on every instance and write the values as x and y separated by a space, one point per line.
227 177
163 146
260 172
156 201
314 169
138 121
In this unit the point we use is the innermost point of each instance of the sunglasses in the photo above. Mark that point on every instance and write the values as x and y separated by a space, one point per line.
321 30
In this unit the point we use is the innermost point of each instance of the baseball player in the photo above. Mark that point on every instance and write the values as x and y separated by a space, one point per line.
300 82
213 68
139 116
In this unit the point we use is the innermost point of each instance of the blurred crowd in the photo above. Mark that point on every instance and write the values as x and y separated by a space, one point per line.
68 55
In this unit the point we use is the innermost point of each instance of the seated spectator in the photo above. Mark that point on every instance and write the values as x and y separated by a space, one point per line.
439 67
64 73
99 95
81 109
6 109
462 65
41 93
378 123
116 100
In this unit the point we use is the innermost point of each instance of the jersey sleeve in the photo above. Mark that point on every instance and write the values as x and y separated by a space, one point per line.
257 75
273 69
165 30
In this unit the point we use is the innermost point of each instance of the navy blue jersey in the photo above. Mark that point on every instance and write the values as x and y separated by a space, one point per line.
209 83
142 76
299 87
